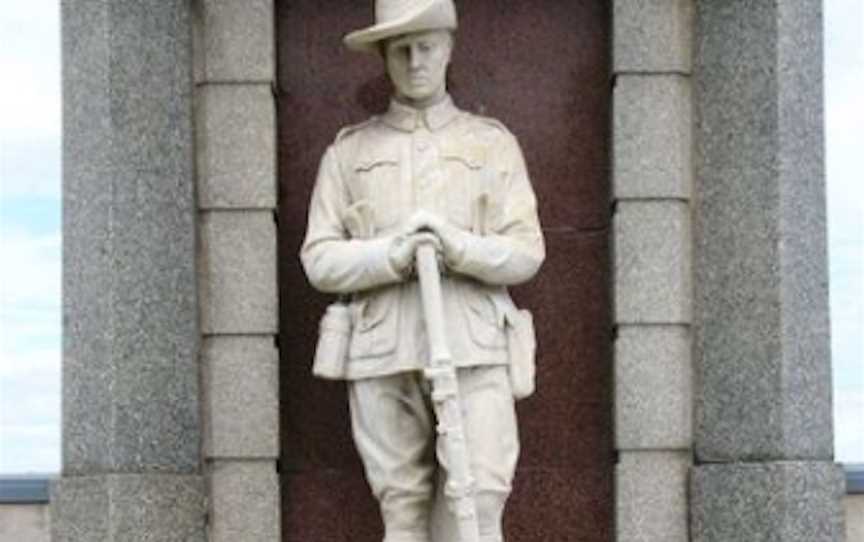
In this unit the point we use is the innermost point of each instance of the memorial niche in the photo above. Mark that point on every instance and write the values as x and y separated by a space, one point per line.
421 217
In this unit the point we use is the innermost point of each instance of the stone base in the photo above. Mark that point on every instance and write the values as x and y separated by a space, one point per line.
773 501
129 508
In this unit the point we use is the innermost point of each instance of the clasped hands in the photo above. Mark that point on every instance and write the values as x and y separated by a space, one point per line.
422 228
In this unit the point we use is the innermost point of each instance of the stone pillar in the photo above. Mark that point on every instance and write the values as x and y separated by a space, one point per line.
235 114
652 186
764 442
131 407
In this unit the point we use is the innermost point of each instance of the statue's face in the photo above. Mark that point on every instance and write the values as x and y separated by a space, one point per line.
417 65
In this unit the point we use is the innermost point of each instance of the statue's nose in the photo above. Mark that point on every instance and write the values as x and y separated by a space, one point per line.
414 57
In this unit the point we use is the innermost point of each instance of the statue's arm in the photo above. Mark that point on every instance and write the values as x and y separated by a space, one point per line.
333 261
513 249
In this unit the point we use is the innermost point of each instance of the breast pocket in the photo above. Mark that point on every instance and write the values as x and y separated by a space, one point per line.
379 179
466 183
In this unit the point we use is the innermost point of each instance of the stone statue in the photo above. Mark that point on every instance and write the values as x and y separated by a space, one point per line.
426 176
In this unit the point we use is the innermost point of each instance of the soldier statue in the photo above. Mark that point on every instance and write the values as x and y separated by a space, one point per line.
426 174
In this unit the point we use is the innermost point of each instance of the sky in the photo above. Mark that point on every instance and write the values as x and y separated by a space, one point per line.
844 120
30 237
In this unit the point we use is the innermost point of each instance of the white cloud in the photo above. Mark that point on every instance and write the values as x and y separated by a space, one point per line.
29 364
849 426
29 351
30 108
30 56
844 44
29 168
36 449
30 275
844 117
29 411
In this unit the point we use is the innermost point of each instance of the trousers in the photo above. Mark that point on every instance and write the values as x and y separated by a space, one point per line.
393 425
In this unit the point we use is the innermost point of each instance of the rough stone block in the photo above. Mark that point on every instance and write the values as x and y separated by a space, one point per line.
236 40
129 508
236 147
25 522
653 137
244 501
762 334
854 505
241 383
653 388
652 262
653 35
782 501
651 503
237 263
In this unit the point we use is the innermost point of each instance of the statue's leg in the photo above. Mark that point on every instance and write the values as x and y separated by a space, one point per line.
493 442
394 433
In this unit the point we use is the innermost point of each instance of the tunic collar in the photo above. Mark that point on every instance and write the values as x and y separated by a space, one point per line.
406 118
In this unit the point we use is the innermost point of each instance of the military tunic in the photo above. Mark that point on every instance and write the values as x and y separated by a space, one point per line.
462 167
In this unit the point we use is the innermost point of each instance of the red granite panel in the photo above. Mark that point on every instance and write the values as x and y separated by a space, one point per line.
569 300
329 505
542 69
561 505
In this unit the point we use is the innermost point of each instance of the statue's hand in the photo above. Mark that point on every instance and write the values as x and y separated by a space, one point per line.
404 247
452 239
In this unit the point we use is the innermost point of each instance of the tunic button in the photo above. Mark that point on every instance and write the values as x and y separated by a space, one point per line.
422 146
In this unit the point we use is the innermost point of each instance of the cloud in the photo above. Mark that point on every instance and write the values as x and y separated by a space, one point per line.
30 276
30 57
29 167
30 365
844 44
30 411
848 426
29 351
30 449
844 116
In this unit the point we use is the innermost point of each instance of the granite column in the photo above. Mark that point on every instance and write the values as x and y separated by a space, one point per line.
131 406
764 439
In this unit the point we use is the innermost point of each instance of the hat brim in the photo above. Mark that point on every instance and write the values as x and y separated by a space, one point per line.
425 18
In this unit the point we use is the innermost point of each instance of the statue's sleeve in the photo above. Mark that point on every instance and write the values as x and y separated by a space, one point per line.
333 261
512 250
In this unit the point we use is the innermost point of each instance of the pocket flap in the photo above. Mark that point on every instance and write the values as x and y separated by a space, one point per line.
370 311
472 156
368 163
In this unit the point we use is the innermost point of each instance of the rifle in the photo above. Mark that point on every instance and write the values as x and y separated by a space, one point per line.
445 399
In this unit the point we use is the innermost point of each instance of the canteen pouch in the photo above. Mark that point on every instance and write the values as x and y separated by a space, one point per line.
334 335
521 347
